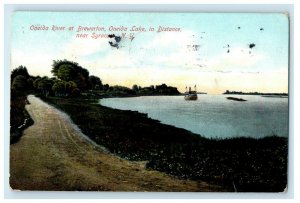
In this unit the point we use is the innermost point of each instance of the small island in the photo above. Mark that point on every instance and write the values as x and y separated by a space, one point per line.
236 99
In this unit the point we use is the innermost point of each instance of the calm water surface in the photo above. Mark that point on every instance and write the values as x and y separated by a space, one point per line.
213 116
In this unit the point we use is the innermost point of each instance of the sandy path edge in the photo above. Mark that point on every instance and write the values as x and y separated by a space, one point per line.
53 154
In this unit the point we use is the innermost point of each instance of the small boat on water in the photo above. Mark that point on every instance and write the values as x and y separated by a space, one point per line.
190 95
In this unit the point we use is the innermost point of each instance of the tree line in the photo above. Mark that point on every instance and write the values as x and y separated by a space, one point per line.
71 80
253 93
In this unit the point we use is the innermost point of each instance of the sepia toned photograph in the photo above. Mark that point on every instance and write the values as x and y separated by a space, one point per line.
149 102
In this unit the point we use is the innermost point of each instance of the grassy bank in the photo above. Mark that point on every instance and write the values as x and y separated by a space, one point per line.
19 117
241 164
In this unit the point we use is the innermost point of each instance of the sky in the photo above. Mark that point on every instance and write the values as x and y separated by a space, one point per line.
214 51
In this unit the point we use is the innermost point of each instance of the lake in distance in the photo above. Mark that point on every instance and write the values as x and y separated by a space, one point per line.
213 116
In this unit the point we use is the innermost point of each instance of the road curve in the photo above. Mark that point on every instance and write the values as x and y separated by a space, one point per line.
54 155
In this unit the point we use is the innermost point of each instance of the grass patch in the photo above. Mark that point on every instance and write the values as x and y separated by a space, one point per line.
244 164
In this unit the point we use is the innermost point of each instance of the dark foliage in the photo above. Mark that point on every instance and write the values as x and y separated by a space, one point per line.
21 70
19 117
155 90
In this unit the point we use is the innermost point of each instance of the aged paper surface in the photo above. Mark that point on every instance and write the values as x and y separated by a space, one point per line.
108 101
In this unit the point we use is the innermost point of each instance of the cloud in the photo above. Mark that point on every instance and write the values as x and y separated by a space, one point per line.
95 54
81 47
237 59
167 57
116 58
165 50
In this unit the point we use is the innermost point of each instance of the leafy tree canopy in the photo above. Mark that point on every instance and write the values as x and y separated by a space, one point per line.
71 71
19 83
95 82
21 70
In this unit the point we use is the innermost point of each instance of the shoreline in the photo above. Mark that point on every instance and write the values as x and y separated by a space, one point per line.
97 95
53 156
134 136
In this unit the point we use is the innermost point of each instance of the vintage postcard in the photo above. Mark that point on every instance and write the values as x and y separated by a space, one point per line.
131 101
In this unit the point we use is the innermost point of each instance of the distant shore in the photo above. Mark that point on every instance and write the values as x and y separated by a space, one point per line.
275 96
249 164
256 93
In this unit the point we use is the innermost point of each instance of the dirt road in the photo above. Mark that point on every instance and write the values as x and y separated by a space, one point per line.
54 155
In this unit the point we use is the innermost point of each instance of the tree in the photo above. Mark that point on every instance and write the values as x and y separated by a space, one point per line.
30 83
66 72
106 87
21 70
59 88
95 82
36 82
71 71
161 88
44 85
121 90
70 86
58 63
19 83
152 87
135 88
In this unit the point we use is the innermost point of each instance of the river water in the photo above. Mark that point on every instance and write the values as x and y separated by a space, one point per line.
213 116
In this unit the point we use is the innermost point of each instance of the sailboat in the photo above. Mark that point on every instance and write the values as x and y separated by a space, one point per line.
190 95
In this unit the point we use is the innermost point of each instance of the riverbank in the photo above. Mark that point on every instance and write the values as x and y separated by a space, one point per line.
240 164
